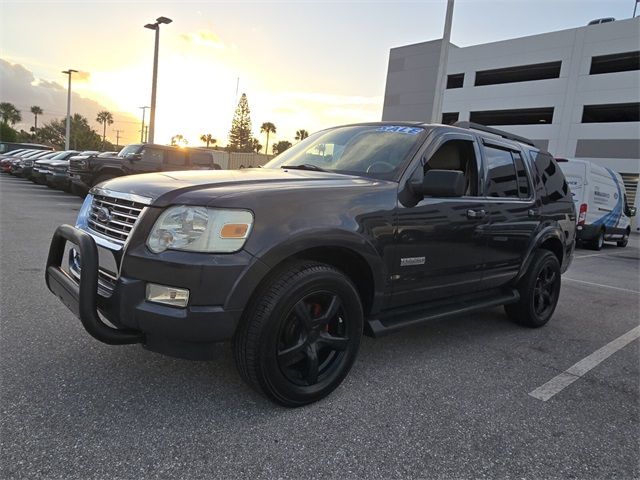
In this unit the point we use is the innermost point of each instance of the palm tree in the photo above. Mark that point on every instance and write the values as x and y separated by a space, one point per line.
301 134
104 118
208 138
36 110
255 145
178 140
9 113
267 127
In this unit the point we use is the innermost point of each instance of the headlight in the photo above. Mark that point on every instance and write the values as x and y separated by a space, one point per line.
200 229
85 211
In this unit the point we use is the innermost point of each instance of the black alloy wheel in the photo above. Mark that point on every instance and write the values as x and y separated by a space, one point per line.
545 292
301 333
539 291
313 339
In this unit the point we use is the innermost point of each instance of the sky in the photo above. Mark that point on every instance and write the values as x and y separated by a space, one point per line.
303 65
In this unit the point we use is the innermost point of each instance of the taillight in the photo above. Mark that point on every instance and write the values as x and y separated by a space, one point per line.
582 216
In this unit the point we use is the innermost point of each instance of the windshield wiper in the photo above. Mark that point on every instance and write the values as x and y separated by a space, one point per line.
304 166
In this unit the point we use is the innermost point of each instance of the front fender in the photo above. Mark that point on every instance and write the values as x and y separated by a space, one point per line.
267 259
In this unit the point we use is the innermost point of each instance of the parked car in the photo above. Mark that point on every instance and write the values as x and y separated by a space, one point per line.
21 167
370 227
9 146
137 158
41 167
601 200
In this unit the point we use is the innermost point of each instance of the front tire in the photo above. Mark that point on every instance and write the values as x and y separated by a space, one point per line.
539 291
624 241
300 336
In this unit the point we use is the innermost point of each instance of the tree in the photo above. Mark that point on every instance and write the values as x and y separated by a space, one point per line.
267 127
240 135
36 110
9 113
255 145
301 134
104 118
179 140
83 137
281 146
208 139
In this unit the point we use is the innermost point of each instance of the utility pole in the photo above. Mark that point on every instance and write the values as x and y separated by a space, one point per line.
146 134
635 5
144 110
118 137
152 114
67 136
436 114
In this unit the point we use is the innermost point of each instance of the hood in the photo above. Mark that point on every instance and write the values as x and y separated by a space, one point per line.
196 186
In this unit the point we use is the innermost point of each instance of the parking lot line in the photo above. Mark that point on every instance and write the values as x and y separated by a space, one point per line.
566 378
600 285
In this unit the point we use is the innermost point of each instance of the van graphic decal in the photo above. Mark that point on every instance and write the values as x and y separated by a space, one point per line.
611 219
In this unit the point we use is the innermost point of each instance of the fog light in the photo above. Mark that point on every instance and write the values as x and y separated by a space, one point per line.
176 297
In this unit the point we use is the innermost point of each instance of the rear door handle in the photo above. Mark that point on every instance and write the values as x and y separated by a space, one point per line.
476 213
533 212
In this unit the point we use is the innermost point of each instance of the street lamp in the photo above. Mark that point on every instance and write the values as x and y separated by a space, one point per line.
144 110
67 136
152 114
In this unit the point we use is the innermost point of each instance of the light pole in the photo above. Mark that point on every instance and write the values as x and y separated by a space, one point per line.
67 136
152 114
441 81
144 110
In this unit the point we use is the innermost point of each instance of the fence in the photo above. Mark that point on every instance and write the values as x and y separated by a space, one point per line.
234 160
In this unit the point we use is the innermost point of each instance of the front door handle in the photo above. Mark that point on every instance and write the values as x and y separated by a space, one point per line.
533 212
476 213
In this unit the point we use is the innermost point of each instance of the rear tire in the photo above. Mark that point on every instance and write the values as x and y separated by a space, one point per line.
539 291
598 242
299 338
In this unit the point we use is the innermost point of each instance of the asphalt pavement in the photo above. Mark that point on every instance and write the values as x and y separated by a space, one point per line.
446 400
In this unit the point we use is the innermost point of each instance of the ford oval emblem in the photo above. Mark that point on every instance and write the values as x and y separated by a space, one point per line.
103 215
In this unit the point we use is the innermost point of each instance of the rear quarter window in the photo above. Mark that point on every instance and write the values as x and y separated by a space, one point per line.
554 184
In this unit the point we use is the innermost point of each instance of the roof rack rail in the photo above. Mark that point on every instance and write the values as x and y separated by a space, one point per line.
495 131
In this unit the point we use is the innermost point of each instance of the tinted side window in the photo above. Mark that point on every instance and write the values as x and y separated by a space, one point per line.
521 172
152 155
175 158
501 173
457 155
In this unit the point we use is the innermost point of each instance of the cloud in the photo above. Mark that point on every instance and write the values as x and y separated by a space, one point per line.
205 38
19 86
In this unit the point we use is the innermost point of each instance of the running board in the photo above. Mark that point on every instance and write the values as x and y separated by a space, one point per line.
400 318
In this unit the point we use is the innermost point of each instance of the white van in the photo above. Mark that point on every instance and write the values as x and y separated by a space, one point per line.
601 201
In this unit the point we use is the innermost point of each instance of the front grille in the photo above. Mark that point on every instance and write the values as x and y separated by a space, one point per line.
77 166
114 217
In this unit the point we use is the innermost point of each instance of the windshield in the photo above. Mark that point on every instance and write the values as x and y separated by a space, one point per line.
133 148
371 150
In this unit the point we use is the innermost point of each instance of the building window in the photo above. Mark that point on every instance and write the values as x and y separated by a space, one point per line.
455 80
521 73
520 116
617 62
449 118
613 112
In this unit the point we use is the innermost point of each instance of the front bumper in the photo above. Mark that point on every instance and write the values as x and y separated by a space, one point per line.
181 332
60 180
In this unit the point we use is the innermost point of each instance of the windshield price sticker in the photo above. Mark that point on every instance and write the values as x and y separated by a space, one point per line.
400 129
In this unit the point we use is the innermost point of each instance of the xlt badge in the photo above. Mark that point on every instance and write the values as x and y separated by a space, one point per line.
410 261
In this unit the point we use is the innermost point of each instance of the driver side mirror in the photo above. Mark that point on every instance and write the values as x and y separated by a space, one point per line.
632 211
441 183
133 156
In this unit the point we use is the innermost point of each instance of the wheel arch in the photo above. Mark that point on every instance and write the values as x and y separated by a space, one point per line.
347 252
552 239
